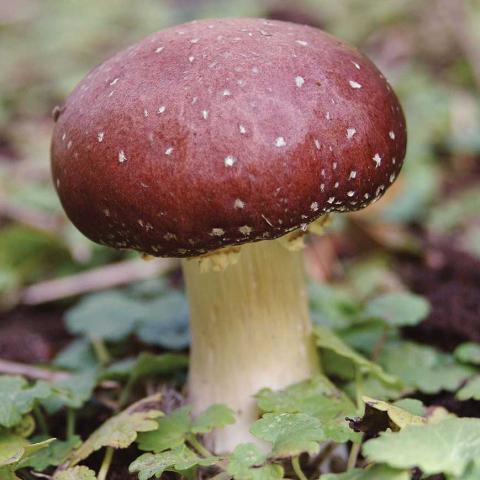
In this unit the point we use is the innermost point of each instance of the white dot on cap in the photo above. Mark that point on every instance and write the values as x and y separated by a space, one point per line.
391 134
354 84
169 151
229 161
280 142
299 81
314 206
122 157
377 159
351 132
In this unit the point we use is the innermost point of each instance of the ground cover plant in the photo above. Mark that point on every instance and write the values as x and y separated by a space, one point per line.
94 342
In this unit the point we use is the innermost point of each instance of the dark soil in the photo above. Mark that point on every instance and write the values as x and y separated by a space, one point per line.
450 279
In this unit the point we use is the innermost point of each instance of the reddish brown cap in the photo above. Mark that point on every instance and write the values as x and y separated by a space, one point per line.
222 132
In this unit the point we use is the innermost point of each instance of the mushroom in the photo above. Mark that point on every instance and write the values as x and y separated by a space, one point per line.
222 142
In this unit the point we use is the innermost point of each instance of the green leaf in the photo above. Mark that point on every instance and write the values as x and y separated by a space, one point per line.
246 463
165 322
446 447
77 356
17 398
215 416
317 397
471 390
108 315
171 432
422 367
468 353
55 454
327 340
15 450
72 392
179 459
75 473
398 309
290 433
377 472
332 307
121 430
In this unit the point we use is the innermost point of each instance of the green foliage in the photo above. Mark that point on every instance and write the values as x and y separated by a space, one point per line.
290 433
178 459
327 340
175 429
55 454
247 462
376 472
75 473
215 416
471 390
422 367
114 315
468 353
448 446
398 309
17 398
121 430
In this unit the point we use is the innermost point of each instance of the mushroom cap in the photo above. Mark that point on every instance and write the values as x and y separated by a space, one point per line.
223 132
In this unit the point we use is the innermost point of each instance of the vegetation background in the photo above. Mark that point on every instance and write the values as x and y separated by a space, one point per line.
399 282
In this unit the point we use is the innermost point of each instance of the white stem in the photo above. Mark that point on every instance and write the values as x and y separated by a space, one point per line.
250 329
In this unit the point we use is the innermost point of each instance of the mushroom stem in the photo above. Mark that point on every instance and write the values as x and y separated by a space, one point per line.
250 329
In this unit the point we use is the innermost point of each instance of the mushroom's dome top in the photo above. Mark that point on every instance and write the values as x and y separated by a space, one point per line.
222 132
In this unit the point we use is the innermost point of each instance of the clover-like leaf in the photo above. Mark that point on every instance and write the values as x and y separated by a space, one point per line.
17 398
215 416
121 430
171 432
423 368
448 447
290 433
398 309
317 397
179 459
108 315
75 473
246 463
328 340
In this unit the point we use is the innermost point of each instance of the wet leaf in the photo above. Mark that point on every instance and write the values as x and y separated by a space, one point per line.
468 353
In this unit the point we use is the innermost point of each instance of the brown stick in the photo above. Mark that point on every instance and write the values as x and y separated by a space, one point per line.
29 371
101 278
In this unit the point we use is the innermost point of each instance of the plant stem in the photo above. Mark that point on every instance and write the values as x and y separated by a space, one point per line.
40 418
126 392
251 329
355 450
107 461
353 456
70 423
196 444
297 468
101 351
